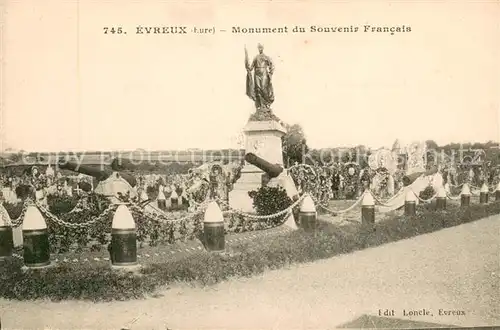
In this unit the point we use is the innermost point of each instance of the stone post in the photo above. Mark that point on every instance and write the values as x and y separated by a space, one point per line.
308 217
123 250
368 208
410 203
213 228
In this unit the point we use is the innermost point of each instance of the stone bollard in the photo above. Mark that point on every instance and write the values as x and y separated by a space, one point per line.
465 195
447 188
123 248
410 203
308 217
161 200
174 198
6 237
180 200
213 228
441 198
368 208
483 194
184 199
35 239
497 192
144 196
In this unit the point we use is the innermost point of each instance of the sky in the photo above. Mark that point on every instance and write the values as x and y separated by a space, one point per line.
68 86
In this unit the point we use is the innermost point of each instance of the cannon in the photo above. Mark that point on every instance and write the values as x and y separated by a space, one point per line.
121 164
109 183
272 170
97 173
410 178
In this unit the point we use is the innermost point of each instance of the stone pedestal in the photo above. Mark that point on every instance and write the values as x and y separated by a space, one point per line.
262 138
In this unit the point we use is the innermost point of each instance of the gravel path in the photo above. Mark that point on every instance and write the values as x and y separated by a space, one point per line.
452 269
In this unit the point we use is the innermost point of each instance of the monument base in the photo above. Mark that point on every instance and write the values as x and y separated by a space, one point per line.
263 138
290 222
238 197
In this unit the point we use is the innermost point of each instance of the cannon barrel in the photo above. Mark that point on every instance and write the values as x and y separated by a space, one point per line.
409 179
123 164
272 170
99 174
132 181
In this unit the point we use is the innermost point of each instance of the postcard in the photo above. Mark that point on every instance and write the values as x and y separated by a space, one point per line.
249 164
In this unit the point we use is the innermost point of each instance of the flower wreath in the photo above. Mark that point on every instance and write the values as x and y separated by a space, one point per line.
334 169
329 172
350 172
303 171
305 176
216 170
324 175
398 176
383 173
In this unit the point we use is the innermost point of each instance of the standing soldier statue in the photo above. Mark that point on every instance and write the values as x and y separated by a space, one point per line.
259 87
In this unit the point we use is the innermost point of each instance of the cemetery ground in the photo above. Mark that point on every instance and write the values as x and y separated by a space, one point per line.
259 274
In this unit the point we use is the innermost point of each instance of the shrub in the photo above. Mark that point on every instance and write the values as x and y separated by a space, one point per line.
13 209
75 210
427 193
60 204
270 200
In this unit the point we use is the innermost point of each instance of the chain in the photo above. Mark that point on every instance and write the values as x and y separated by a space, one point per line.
89 223
158 215
396 194
335 212
5 216
191 198
479 188
425 200
491 190
159 212
264 217
17 221
302 165
453 198
386 204
77 206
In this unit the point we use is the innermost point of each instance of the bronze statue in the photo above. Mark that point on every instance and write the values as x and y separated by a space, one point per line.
259 87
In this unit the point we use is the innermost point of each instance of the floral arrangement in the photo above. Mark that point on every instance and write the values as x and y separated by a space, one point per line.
270 200
74 210
350 173
76 224
427 193
380 180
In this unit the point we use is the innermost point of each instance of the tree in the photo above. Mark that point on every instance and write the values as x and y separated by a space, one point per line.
431 145
490 144
294 145
362 153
